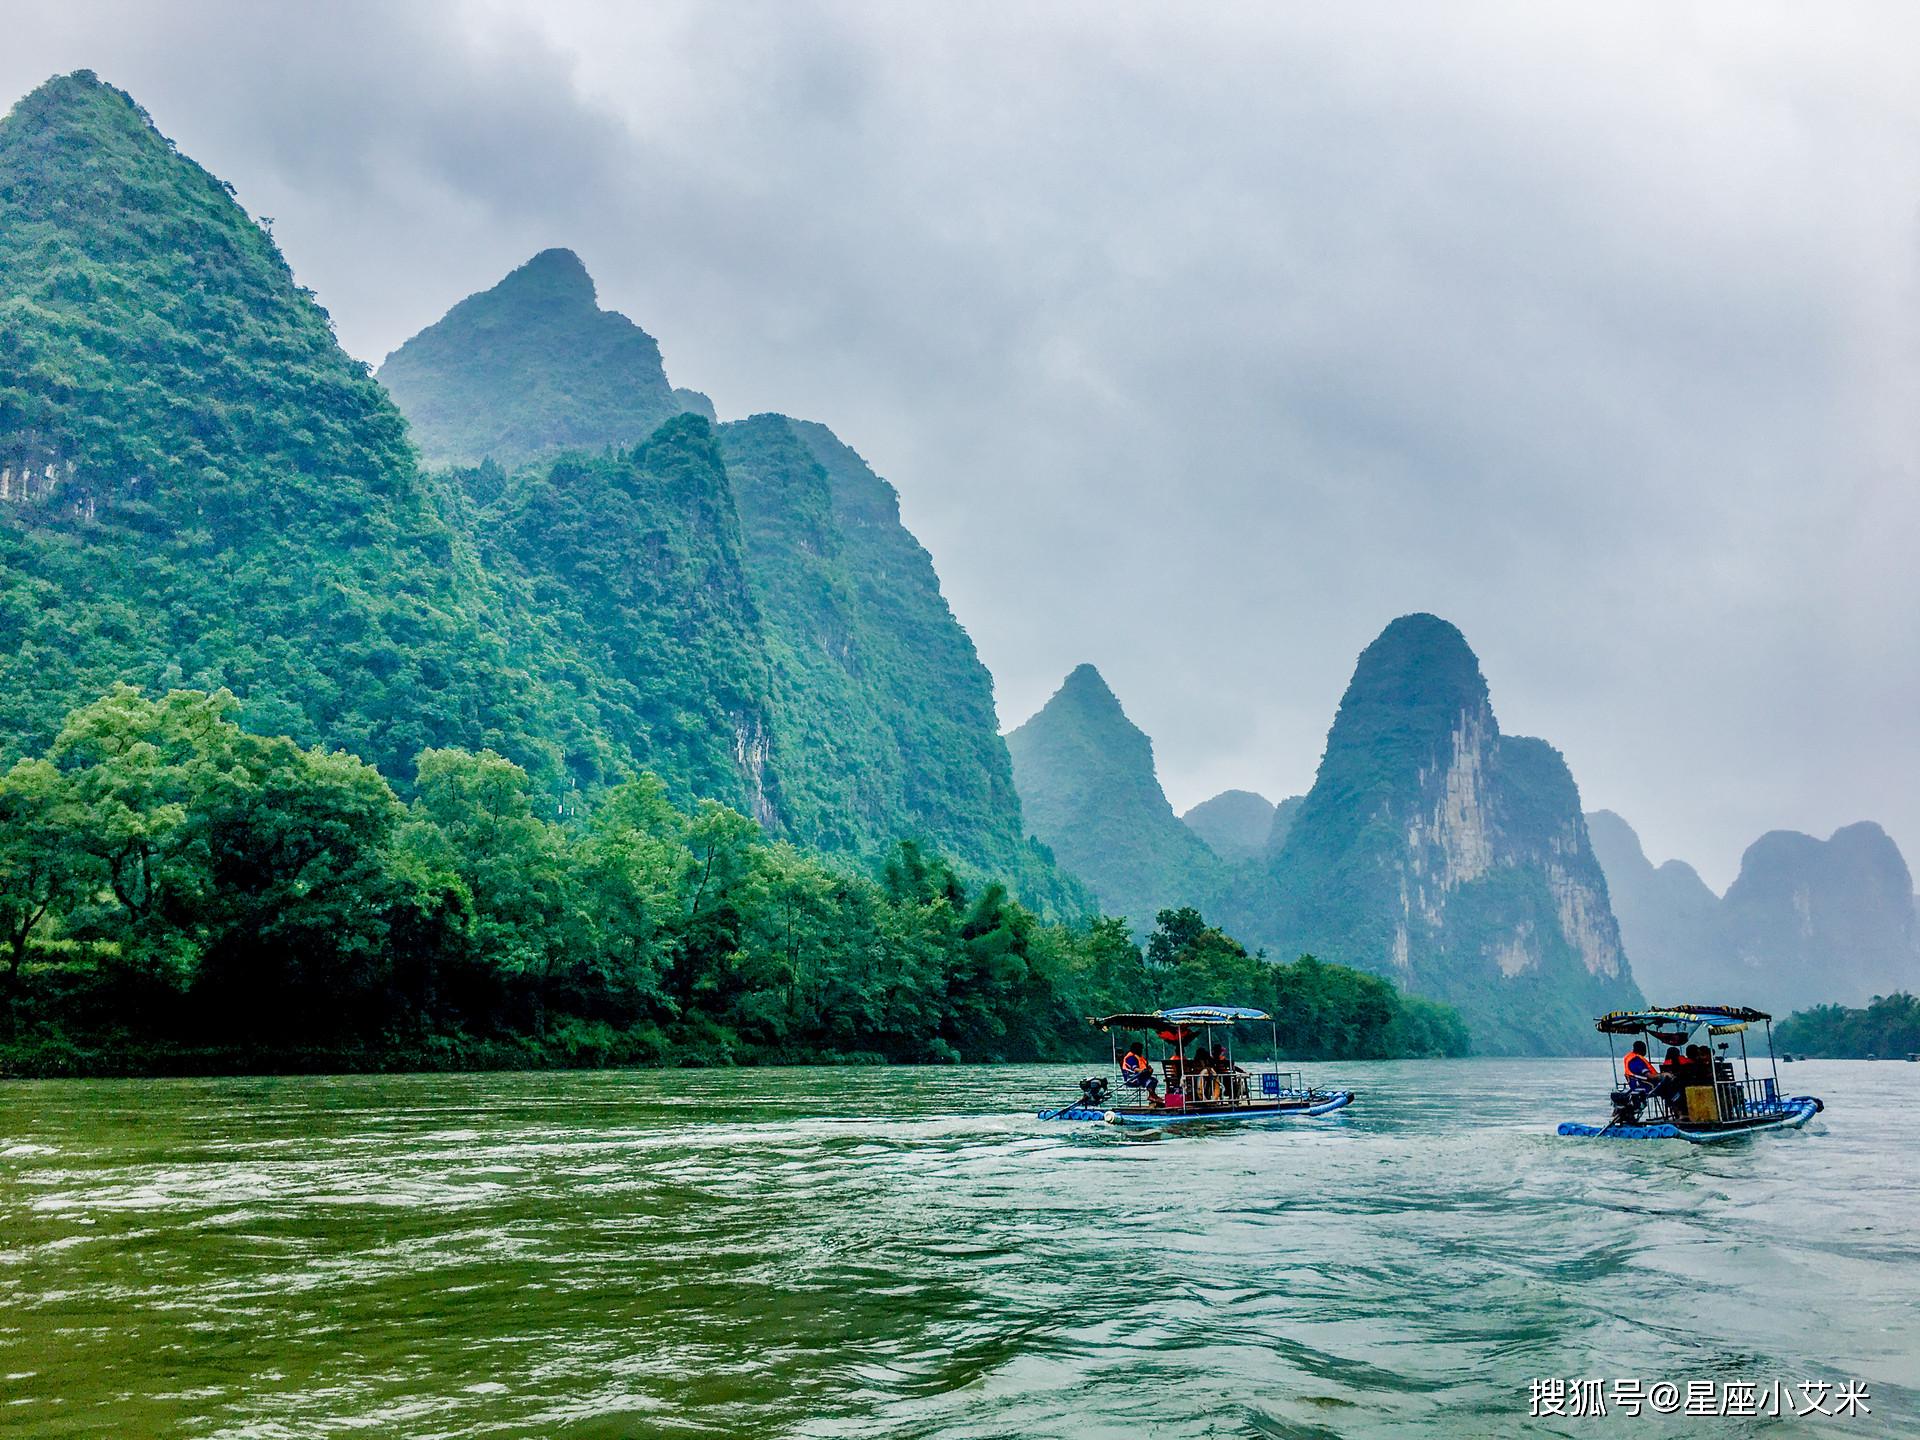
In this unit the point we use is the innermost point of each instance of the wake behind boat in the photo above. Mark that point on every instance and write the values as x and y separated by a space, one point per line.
1206 1084
1692 1094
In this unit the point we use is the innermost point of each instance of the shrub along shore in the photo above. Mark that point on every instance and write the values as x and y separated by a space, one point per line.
179 895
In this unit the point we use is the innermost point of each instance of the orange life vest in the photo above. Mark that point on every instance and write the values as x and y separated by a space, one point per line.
1638 1066
1133 1064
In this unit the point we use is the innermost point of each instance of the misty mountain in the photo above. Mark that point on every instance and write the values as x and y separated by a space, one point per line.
1825 920
1284 814
756 618
1440 852
1087 782
1669 920
529 368
1234 824
1806 922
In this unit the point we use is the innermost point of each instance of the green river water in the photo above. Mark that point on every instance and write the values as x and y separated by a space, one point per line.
834 1253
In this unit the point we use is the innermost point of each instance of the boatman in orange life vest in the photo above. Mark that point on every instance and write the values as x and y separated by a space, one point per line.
1136 1073
1640 1072
1642 1076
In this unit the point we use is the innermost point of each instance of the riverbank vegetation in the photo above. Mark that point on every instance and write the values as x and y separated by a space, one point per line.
178 894
1888 1027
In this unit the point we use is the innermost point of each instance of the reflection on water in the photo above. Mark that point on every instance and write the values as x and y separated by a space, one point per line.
908 1253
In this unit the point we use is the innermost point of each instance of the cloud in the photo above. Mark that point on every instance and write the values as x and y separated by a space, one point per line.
1203 341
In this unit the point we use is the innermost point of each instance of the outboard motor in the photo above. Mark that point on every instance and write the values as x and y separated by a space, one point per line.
1627 1105
1093 1092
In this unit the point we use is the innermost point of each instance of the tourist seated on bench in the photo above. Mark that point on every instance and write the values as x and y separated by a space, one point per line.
1136 1073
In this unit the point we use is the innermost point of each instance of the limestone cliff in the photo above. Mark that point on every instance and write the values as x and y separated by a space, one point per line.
1438 851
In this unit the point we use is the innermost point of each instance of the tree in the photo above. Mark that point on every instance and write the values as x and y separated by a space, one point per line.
473 818
632 867
40 864
137 771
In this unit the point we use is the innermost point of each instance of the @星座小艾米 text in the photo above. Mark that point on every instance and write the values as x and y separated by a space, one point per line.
1769 1398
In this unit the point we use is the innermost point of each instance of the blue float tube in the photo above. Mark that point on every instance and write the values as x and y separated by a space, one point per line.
1333 1100
1793 1111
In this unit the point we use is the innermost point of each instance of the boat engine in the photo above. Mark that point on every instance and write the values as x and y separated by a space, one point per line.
1627 1105
1093 1091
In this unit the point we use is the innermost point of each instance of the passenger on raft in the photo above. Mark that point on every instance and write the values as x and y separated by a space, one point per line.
1136 1073
1222 1064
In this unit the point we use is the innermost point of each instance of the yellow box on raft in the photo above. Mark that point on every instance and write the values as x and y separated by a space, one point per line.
1701 1104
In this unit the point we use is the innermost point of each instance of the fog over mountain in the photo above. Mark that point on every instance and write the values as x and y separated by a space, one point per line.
1205 342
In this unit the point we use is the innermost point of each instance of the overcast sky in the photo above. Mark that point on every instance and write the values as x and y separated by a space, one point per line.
1201 341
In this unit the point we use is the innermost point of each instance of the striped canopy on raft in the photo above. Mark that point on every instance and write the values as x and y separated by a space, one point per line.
1724 1019
1184 1017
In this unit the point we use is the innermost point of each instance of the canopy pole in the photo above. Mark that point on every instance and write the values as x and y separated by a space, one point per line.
1772 1062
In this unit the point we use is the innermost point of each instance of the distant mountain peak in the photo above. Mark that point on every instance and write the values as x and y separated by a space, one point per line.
83 87
1440 852
1420 657
558 275
1085 686
531 367
1234 824
1087 784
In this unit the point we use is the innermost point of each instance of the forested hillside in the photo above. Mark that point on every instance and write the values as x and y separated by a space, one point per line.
635 559
884 723
311 756
879 721
179 894
197 487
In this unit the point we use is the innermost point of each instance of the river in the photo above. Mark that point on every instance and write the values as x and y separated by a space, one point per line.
907 1252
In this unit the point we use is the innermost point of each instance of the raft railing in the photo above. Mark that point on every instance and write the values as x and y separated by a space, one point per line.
1253 1087
1732 1100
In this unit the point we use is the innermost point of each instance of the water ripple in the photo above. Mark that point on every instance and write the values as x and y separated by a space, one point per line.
908 1253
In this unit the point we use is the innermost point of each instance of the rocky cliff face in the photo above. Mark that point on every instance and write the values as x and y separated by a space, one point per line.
1438 851
1807 922
532 367
1235 824
1087 781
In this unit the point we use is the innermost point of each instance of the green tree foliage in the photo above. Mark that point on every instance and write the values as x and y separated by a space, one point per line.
38 868
181 893
1889 1026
